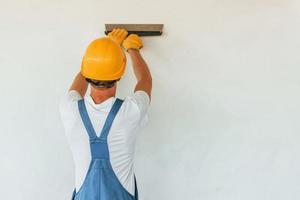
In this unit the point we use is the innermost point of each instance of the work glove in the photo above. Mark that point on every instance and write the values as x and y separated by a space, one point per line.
133 41
118 35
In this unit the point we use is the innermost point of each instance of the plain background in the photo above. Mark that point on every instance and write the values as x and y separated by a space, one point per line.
224 119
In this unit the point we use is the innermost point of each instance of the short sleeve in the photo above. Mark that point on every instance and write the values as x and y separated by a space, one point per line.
142 100
68 104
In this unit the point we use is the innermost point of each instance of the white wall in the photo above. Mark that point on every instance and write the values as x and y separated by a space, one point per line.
224 121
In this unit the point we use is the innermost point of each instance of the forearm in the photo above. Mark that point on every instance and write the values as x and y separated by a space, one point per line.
79 84
141 71
140 67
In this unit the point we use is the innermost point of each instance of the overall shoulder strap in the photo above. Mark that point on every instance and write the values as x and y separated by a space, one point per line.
110 118
86 119
74 194
136 193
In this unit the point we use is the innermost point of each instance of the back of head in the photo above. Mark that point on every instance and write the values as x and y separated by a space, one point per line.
103 63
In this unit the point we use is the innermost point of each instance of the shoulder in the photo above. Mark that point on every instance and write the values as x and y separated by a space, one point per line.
140 97
68 103
136 105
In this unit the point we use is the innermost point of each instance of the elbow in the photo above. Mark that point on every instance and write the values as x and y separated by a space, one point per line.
145 79
150 79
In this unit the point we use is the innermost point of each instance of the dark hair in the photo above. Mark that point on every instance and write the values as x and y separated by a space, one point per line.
101 84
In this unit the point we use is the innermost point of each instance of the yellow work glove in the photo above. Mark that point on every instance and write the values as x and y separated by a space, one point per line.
133 41
118 35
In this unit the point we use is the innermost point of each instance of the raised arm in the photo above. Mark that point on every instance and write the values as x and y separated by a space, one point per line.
79 84
142 73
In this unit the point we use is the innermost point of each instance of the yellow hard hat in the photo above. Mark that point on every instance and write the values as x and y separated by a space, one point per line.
103 60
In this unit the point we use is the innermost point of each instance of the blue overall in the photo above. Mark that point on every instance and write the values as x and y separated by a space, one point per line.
101 183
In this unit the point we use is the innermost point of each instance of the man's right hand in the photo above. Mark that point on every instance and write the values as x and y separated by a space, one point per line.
133 41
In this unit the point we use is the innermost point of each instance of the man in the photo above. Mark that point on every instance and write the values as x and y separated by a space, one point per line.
101 129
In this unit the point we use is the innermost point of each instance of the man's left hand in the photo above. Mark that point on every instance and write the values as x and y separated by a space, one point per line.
118 35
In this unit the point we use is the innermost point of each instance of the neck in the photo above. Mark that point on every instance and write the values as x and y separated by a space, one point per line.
100 94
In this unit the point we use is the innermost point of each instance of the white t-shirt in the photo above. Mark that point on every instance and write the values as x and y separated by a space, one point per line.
121 139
